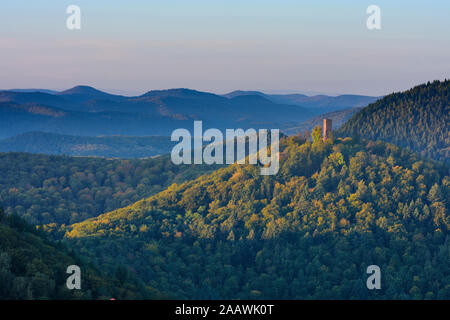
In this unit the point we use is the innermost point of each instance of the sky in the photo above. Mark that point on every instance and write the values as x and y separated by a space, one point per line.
278 46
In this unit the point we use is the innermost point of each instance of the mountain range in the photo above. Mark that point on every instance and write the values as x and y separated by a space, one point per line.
321 103
84 110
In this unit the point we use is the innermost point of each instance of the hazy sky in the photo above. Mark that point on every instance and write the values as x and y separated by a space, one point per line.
219 46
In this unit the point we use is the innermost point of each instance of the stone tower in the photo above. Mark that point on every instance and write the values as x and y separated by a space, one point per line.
327 127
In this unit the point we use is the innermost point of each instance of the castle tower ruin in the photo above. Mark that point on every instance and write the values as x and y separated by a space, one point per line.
327 127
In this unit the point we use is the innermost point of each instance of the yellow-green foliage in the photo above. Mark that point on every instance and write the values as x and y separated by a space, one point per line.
316 188
308 232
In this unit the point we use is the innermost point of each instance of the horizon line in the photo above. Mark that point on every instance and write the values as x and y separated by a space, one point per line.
130 94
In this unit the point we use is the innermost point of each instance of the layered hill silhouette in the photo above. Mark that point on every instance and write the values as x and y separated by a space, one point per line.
20 118
86 111
417 119
320 103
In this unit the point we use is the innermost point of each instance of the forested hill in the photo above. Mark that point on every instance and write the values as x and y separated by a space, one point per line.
33 267
418 119
308 232
104 146
63 190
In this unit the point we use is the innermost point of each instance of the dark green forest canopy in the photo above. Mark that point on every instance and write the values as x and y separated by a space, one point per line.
62 190
33 267
308 232
418 119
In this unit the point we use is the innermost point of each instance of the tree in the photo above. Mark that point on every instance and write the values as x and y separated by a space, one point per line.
316 134
435 194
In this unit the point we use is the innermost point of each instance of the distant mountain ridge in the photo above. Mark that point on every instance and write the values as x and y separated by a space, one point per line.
324 102
81 89
85 110
20 118
32 90
86 93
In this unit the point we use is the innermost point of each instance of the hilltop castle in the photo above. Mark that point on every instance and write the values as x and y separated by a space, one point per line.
327 127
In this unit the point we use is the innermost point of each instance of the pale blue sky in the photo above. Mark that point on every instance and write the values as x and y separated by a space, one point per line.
219 46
